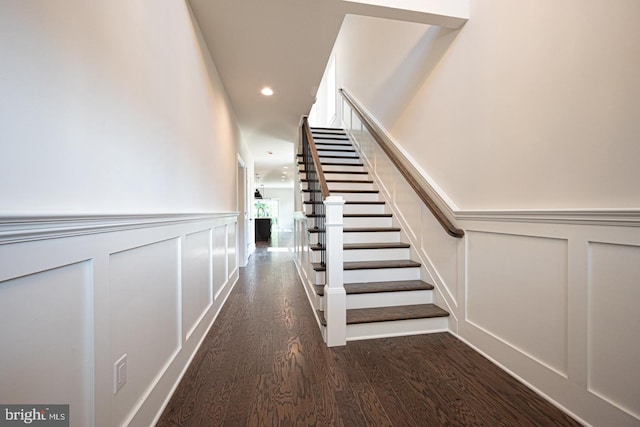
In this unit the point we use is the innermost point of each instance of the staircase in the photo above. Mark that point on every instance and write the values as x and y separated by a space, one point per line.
385 293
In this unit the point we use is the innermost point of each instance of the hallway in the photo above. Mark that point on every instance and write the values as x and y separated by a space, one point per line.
264 363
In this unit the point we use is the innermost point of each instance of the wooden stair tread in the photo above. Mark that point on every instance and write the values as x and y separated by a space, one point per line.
360 230
387 314
355 191
342 181
334 156
309 190
350 202
385 245
335 164
338 150
369 229
384 215
373 265
355 246
370 265
377 287
342 172
335 143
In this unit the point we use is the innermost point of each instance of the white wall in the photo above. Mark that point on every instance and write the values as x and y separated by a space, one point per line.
111 107
526 107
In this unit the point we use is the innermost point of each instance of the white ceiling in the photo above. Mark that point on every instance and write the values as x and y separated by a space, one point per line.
284 44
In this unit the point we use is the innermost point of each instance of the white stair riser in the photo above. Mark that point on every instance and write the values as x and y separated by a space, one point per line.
354 209
368 255
342 168
397 328
365 221
307 196
326 142
359 222
318 278
336 186
363 237
371 237
325 135
341 160
316 256
313 238
381 275
351 176
364 208
357 197
338 175
327 151
389 299
353 255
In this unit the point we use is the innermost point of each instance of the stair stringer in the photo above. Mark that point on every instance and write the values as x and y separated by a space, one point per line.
442 294
302 261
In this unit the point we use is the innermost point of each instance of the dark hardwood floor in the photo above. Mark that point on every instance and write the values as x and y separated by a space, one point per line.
264 364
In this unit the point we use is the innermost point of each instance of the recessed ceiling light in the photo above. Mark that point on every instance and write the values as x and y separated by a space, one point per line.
286 167
266 91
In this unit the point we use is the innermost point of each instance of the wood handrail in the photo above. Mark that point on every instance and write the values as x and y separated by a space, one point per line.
409 174
316 159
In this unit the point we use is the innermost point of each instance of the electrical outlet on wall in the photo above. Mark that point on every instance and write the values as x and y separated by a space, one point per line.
119 373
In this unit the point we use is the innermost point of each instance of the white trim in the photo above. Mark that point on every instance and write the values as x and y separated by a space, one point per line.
610 217
27 228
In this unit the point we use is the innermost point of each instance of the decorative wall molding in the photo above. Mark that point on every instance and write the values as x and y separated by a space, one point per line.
26 228
611 217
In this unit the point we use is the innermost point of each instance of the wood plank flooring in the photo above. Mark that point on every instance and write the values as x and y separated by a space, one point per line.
264 364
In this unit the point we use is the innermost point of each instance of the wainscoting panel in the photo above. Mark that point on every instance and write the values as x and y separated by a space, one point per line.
614 325
197 280
231 250
145 317
46 333
219 259
436 248
77 293
410 204
517 291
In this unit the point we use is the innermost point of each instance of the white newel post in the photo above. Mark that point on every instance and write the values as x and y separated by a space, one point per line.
334 293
